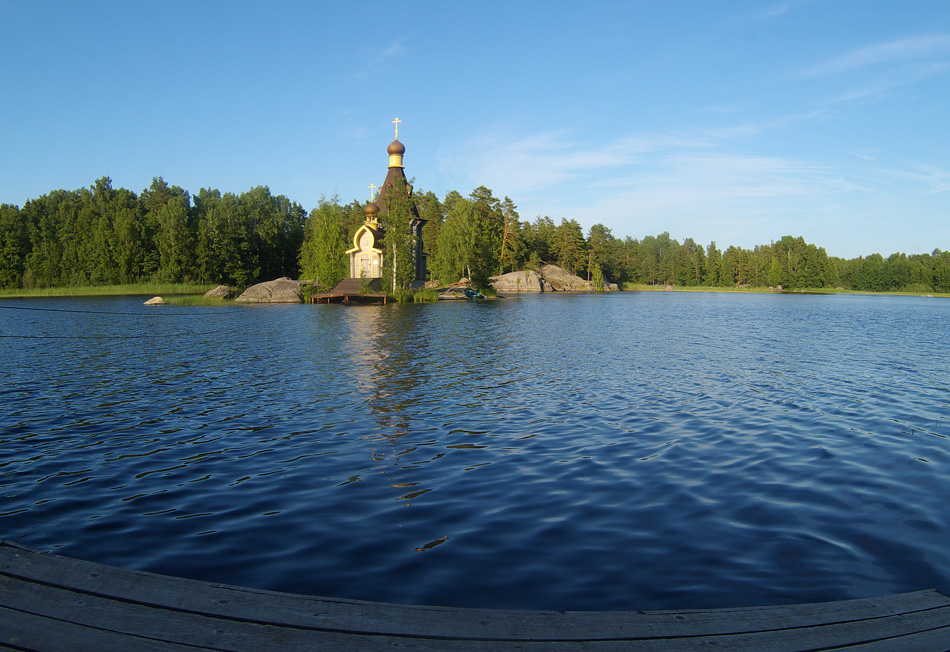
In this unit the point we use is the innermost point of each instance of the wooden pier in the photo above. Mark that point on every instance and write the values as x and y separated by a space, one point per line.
348 291
339 297
50 603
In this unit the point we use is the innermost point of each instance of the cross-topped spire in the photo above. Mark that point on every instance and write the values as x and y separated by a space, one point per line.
372 193
396 122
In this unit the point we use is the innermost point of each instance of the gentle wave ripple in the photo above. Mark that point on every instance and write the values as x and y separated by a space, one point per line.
554 452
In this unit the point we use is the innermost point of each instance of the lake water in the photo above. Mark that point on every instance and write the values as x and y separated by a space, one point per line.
624 451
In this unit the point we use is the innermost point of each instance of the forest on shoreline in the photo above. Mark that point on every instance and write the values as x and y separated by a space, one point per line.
102 235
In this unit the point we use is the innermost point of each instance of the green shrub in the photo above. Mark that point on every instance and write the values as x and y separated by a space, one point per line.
402 296
918 288
425 296
194 300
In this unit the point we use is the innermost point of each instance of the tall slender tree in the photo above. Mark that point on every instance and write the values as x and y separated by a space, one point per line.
323 254
396 217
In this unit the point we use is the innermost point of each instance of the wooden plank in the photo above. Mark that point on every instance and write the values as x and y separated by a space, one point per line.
935 640
85 594
288 609
309 611
50 635
24 631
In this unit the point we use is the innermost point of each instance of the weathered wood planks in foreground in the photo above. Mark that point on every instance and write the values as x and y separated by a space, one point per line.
50 603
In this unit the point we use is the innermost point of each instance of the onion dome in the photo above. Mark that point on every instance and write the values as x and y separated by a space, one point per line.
396 147
370 211
396 150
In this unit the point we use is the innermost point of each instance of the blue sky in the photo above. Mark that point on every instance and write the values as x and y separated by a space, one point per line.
738 121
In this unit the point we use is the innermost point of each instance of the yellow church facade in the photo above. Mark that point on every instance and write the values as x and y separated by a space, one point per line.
366 256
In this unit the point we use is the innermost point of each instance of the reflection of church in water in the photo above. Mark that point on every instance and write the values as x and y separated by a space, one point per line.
368 252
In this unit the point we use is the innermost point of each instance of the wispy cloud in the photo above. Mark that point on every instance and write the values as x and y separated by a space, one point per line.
930 179
866 155
769 12
730 197
373 57
541 160
394 49
899 50
774 11
521 163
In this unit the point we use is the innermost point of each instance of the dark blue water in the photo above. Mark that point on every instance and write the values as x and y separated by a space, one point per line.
634 451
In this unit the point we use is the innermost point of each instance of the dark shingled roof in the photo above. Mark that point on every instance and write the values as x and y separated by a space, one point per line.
390 182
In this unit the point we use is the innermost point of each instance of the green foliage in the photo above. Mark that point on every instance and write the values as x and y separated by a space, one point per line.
597 278
454 245
105 236
402 296
323 255
14 247
512 253
143 289
196 300
570 247
433 211
487 228
425 296
396 217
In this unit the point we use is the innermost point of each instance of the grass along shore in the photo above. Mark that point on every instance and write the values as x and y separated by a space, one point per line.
643 287
110 290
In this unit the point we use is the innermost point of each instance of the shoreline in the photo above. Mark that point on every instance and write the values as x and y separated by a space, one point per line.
185 289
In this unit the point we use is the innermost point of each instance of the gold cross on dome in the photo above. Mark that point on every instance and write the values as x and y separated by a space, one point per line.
396 122
372 193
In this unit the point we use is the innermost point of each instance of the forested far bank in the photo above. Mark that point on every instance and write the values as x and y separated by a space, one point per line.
104 236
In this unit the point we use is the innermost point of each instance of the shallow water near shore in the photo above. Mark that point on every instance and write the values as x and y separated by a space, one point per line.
620 451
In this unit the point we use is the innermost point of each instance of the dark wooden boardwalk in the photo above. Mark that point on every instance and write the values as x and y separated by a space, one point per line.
51 603
348 291
338 297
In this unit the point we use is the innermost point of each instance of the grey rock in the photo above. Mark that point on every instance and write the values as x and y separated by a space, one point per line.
220 292
526 281
282 290
155 301
550 278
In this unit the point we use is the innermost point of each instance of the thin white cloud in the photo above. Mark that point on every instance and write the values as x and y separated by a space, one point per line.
395 49
541 160
731 198
895 79
930 179
374 57
899 50
520 164
770 12
867 155
774 11
714 177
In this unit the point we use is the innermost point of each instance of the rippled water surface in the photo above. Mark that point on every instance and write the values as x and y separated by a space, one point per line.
628 451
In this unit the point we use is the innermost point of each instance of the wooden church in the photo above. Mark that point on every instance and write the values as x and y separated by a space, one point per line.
368 254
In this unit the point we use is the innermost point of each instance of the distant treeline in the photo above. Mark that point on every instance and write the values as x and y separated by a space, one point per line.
104 236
